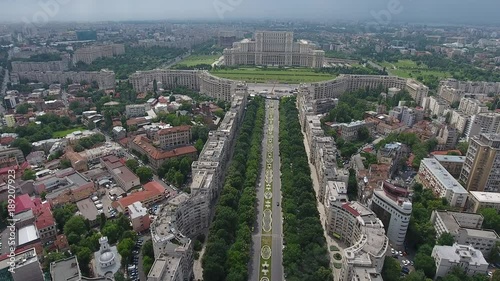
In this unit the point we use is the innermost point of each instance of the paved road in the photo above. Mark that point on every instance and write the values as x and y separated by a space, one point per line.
277 236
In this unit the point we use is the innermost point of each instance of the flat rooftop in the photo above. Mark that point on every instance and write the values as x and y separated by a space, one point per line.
443 176
162 264
65 270
87 209
488 234
26 235
450 158
486 197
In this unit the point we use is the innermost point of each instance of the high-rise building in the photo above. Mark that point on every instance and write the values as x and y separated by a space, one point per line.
274 48
481 170
484 123
391 205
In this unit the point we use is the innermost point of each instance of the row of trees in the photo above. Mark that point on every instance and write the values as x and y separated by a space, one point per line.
305 257
228 248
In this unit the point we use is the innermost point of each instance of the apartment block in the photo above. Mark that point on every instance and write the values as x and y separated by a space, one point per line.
276 48
202 81
136 110
479 200
90 54
7 153
105 79
139 216
463 256
473 87
447 138
358 227
169 242
453 164
174 136
472 106
465 229
27 266
460 120
482 163
483 123
391 205
434 176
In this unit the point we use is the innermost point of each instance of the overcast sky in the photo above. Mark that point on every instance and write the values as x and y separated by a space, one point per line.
432 11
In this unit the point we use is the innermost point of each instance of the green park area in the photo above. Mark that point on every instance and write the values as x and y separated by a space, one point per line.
62 134
412 69
199 59
273 75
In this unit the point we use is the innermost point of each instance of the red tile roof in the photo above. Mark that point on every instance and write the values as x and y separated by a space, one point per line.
350 209
151 190
23 203
158 154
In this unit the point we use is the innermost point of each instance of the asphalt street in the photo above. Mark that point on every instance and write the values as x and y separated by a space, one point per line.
276 269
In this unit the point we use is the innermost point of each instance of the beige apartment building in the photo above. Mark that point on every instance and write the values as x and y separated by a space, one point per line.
90 54
175 136
276 48
466 229
202 81
348 83
434 176
364 234
479 200
105 79
482 164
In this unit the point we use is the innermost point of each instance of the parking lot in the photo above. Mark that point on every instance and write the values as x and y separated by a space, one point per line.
133 268
405 261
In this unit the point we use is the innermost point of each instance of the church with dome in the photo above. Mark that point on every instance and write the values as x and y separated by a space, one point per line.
106 261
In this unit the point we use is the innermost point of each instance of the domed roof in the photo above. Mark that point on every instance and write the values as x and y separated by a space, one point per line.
106 257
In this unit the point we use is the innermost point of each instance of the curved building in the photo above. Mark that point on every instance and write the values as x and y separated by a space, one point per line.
391 205
358 227
197 80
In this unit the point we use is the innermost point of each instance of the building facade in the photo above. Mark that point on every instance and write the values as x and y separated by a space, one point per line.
465 229
466 257
276 48
358 227
391 205
479 200
482 163
105 79
434 176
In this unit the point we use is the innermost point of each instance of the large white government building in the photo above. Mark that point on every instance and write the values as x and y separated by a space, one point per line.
277 48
